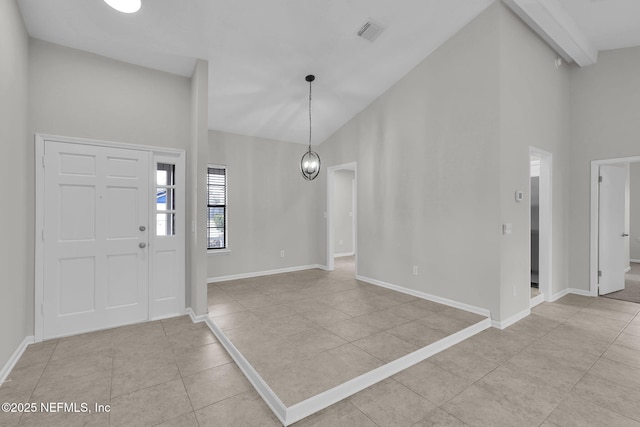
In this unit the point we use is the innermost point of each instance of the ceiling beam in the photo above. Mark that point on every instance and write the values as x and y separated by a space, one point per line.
551 21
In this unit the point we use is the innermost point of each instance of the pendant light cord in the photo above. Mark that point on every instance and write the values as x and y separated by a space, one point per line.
309 116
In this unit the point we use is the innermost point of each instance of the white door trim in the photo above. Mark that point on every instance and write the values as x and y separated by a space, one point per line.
39 141
595 230
353 166
545 261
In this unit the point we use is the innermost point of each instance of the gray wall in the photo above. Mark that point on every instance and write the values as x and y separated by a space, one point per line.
427 153
74 93
16 245
634 216
271 206
342 212
534 111
605 124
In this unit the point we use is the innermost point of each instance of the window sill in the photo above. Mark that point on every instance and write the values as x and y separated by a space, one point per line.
218 251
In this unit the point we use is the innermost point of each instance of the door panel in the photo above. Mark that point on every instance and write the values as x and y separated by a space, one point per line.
95 272
612 257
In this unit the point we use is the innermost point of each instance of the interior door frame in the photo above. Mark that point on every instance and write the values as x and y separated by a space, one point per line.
352 166
595 220
545 215
39 140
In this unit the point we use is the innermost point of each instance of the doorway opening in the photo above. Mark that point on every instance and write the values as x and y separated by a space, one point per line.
540 191
342 217
615 229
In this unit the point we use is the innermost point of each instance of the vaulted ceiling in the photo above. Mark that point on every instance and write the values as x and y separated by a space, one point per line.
260 51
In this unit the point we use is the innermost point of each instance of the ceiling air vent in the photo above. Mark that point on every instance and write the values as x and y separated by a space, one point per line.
370 30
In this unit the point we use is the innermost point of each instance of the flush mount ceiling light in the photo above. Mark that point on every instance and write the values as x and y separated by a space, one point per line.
310 162
125 6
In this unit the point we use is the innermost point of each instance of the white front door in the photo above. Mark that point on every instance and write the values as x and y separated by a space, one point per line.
95 233
612 229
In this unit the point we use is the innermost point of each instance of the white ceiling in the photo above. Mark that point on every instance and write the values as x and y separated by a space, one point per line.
259 51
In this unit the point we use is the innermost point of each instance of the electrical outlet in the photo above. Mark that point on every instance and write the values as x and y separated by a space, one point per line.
415 270
281 254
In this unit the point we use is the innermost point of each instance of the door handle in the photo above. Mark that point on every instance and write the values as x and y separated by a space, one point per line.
142 245
625 235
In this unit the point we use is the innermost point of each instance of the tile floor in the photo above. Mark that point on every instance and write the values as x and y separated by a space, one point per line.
309 331
575 362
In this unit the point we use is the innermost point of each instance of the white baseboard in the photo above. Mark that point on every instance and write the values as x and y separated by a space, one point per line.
11 363
195 318
263 389
502 324
298 411
538 299
634 260
263 273
568 291
343 254
424 295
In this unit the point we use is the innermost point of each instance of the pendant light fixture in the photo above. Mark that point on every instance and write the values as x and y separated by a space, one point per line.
125 6
310 162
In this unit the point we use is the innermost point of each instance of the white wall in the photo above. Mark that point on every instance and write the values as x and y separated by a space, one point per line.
604 125
343 212
271 207
534 111
634 212
16 245
78 94
428 172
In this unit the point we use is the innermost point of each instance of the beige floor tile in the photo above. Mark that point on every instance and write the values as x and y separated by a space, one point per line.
534 325
465 316
410 311
196 337
215 384
431 306
585 340
551 371
476 407
326 316
178 324
226 322
432 382
150 406
186 420
633 329
225 308
576 412
555 311
389 403
291 325
137 354
342 414
615 305
385 346
381 302
417 333
101 341
496 345
383 320
273 312
81 365
22 380
575 300
258 301
616 372
352 329
36 354
11 418
444 324
609 395
136 335
315 341
272 358
536 398
624 355
463 363
197 359
146 373
604 311
628 340
354 307
439 418
246 409
591 321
